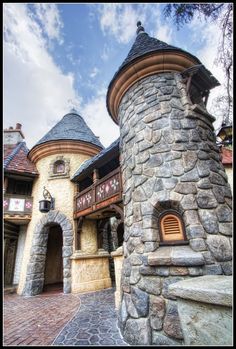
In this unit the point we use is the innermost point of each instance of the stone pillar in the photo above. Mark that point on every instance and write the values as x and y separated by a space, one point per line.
169 160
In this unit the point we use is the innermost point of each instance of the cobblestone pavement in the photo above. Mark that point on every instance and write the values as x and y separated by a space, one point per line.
36 320
94 324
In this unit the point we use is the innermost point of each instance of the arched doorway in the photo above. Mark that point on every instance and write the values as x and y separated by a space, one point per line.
35 275
53 273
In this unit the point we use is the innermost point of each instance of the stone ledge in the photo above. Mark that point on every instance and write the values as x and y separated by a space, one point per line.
117 252
213 289
175 255
89 256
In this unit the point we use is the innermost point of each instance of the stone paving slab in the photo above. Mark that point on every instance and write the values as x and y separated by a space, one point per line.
95 323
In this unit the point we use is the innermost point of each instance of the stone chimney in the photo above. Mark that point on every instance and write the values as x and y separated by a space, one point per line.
177 200
13 136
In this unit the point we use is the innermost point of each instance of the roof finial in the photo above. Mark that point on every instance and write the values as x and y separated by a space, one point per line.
140 27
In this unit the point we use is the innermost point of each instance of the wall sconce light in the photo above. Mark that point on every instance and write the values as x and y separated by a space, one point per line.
48 203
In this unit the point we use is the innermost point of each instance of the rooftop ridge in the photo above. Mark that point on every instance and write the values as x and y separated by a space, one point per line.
14 152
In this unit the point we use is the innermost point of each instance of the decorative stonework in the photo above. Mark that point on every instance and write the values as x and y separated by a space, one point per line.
66 170
35 270
169 161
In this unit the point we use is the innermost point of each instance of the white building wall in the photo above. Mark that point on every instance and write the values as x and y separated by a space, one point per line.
19 254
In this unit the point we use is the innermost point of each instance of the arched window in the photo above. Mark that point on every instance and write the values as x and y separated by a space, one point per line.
59 167
171 228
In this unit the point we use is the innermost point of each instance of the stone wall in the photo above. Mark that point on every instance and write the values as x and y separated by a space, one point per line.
169 160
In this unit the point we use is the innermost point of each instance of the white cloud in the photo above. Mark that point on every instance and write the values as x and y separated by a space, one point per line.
36 92
94 72
105 53
97 118
120 20
49 18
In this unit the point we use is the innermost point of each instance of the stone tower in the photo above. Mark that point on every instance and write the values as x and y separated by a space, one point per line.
58 154
177 201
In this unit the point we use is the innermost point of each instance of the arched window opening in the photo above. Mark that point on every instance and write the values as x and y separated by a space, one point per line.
171 228
59 167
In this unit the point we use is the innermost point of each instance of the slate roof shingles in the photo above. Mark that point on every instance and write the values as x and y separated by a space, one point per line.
71 127
90 163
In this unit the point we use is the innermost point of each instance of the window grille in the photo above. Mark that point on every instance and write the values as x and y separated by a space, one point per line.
171 228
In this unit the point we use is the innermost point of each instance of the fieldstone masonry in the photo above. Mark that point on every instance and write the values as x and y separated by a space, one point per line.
35 269
169 160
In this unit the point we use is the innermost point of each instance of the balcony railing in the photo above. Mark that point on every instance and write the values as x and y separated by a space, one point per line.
102 193
15 204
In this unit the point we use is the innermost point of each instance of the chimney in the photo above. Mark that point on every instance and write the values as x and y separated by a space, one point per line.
13 135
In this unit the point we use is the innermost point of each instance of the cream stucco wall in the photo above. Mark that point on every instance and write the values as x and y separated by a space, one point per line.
90 273
62 189
229 172
88 237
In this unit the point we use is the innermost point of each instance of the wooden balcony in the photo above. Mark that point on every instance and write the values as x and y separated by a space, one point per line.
19 205
101 194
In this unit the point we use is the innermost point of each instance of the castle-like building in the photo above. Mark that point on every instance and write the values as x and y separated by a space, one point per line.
152 209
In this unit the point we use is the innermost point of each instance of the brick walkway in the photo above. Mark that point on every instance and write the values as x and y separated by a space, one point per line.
54 318
37 320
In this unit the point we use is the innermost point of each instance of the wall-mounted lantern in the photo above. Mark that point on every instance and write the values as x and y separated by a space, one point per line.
48 203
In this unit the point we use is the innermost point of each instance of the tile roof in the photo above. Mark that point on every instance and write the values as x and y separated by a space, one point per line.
90 163
71 127
226 156
15 159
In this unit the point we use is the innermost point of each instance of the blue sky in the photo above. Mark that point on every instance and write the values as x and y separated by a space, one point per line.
59 56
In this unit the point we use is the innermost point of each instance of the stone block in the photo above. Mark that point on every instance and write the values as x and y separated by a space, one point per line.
227 267
130 306
186 188
134 275
220 247
67 251
140 300
67 285
198 244
175 271
195 271
150 246
149 234
190 176
172 326
209 221
189 160
206 199
188 202
137 332
224 213
139 195
150 284
160 339
212 269
191 217
204 183
195 231
168 183
157 312
226 229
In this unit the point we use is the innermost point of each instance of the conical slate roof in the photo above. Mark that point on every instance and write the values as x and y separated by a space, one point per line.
71 127
145 44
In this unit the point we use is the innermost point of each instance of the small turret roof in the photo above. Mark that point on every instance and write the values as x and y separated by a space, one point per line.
71 127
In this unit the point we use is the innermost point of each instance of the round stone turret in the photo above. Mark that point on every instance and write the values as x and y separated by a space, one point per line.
177 200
